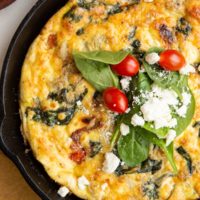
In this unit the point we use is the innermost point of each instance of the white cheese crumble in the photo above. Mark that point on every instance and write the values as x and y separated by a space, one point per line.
124 129
157 108
125 82
185 102
148 1
157 111
85 110
152 58
169 96
63 191
79 103
69 141
83 182
128 110
111 163
137 120
187 69
170 137
186 98
142 69
104 186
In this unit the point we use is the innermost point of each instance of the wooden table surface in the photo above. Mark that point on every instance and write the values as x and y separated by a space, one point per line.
12 184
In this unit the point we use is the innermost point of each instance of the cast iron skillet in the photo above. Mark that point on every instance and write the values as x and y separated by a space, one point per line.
11 141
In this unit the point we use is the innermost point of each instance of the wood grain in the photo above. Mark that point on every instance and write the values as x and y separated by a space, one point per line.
12 184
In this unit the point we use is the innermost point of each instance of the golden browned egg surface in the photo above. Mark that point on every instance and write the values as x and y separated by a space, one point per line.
62 113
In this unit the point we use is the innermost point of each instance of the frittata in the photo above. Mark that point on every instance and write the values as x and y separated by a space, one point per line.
65 120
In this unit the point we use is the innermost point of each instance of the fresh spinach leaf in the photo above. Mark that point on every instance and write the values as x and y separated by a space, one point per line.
160 132
132 148
163 78
168 150
98 74
150 165
116 132
139 84
187 157
142 83
107 57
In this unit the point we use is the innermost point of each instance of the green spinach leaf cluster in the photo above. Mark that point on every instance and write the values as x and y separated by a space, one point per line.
133 148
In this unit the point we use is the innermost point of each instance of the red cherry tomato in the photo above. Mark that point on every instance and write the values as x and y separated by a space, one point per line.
115 100
172 60
128 67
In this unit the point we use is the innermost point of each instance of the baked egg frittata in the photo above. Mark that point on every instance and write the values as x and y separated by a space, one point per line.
152 150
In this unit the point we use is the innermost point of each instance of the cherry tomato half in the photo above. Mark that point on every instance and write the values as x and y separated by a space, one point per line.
172 60
115 100
128 67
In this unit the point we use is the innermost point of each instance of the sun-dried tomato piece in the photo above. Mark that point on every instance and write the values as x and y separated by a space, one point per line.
78 156
52 40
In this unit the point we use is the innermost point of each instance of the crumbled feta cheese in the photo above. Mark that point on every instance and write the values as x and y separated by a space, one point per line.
83 182
63 191
185 102
85 110
111 163
79 103
124 129
186 98
136 100
104 186
125 82
69 141
148 1
169 96
122 163
170 137
187 69
128 110
157 111
137 120
182 111
152 58
142 69
172 123
157 108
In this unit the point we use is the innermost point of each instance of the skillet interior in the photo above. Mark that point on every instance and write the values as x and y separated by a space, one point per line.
10 140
